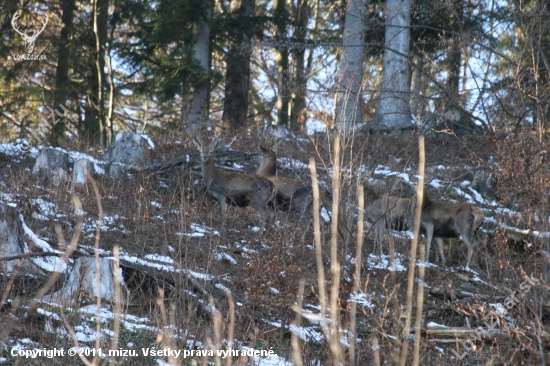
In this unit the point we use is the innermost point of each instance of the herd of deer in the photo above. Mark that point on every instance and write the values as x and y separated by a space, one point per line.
266 192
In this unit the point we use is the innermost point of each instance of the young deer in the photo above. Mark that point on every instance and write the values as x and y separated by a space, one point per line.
385 211
448 220
237 189
290 194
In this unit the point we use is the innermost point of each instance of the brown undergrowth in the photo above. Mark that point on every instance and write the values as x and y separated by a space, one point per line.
158 213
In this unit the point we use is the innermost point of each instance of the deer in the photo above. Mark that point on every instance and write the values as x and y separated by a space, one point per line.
291 195
448 220
384 211
235 188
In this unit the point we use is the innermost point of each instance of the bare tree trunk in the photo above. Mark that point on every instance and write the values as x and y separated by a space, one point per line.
298 103
198 110
454 54
394 112
237 79
348 101
416 106
452 102
94 123
62 83
283 95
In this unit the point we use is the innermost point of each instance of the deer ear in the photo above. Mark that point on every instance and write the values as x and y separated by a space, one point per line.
262 149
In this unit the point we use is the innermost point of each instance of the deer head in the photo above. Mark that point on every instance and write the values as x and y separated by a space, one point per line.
29 40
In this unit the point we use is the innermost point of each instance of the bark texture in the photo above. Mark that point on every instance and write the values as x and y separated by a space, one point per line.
62 83
348 113
235 110
281 59
198 110
394 111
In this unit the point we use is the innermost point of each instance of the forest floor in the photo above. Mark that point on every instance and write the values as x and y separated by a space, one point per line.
170 231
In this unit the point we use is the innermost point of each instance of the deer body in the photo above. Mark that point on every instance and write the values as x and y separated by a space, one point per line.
290 194
238 189
449 220
385 211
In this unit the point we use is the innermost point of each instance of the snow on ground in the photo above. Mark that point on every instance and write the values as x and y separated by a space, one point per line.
310 332
383 262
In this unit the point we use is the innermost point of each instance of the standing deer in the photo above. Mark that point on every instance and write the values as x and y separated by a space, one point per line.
290 194
237 189
385 211
448 220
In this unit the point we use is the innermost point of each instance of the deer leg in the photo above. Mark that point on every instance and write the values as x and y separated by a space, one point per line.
380 234
429 237
263 219
439 242
470 246
309 223
470 242
222 203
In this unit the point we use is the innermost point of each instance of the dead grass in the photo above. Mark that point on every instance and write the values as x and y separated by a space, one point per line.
141 227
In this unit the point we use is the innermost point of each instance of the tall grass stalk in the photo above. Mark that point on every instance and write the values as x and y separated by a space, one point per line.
357 274
334 342
318 246
414 246
295 342
419 305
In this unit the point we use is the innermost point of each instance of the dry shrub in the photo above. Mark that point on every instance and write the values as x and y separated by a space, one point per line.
263 273
523 173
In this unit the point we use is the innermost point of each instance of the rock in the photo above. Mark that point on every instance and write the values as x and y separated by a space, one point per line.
79 172
276 132
452 121
58 176
485 183
116 170
129 148
81 283
458 172
54 165
12 240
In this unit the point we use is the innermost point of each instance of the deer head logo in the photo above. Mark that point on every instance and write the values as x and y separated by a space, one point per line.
29 40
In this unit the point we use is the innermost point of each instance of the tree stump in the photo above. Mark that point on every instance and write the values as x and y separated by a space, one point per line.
81 284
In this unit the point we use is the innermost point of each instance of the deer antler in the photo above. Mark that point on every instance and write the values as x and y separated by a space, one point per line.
13 20
29 40
197 143
25 35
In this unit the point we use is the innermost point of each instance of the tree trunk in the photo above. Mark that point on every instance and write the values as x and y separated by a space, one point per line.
394 112
198 109
298 106
348 100
454 53
62 83
281 59
416 106
94 122
237 79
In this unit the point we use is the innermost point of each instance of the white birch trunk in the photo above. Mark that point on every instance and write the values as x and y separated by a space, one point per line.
198 110
348 101
394 111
